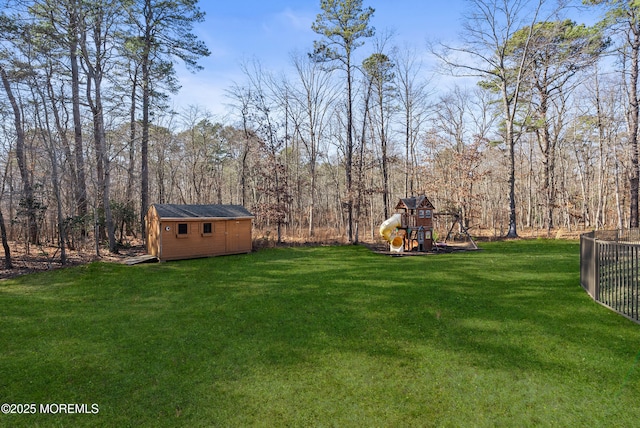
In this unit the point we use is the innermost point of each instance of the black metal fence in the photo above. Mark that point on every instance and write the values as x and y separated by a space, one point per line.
610 269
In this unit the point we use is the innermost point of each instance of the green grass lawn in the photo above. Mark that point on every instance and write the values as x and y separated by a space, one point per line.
325 336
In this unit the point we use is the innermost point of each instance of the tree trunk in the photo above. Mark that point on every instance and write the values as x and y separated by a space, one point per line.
81 188
5 244
55 177
513 232
385 162
27 189
146 99
633 116
349 153
94 99
363 143
56 190
132 147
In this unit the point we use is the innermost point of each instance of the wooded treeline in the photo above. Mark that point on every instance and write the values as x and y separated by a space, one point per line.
541 133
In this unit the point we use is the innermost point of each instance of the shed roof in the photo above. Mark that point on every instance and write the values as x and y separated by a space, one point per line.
201 211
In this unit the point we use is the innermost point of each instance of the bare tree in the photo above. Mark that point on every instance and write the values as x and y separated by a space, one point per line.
379 70
343 24
268 124
98 40
485 53
11 75
43 121
8 263
413 95
315 94
558 51
27 187
241 97
60 27
461 123
623 17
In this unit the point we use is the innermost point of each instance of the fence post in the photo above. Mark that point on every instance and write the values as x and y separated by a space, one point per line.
596 270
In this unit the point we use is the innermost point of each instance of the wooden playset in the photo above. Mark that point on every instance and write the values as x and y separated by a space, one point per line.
411 227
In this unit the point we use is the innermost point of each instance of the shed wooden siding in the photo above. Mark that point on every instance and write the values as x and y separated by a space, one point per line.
230 231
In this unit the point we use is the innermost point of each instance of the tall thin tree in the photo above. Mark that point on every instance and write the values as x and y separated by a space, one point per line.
343 24
379 69
98 40
163 31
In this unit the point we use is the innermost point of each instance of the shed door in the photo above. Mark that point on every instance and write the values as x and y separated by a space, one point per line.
232 236
238 236
219 237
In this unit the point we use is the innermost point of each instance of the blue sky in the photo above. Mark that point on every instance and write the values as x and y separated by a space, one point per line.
271 30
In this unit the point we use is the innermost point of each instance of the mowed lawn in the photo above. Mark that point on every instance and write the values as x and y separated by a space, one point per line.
323 336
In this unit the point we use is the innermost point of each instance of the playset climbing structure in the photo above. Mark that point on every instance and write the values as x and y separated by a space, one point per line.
411 227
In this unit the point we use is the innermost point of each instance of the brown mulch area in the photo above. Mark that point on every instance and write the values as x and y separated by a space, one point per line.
38 258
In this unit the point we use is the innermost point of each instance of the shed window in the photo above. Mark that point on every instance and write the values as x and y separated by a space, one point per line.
183 229
206 228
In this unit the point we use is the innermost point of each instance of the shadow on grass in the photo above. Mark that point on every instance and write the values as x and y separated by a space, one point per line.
528 318
289 325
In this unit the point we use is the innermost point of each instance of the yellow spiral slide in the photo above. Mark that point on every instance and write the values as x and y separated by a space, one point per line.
388 232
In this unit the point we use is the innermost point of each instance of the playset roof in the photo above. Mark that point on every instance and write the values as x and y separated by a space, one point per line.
414 203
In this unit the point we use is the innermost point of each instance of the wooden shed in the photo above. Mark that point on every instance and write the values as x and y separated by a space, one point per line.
176 232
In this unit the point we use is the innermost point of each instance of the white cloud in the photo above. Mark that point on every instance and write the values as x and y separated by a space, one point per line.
206 90
298 21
